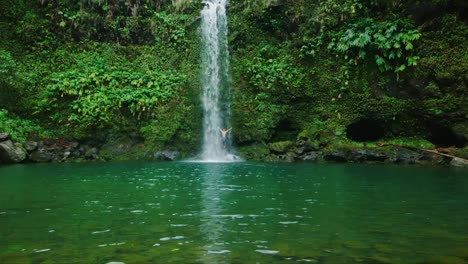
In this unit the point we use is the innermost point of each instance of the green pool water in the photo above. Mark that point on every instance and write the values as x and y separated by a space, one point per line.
142 212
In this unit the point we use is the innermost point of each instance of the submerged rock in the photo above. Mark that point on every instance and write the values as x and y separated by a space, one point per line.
11 153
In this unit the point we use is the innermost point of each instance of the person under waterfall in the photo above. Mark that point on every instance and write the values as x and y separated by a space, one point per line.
224 134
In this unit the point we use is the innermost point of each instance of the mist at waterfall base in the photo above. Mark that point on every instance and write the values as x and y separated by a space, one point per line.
215 82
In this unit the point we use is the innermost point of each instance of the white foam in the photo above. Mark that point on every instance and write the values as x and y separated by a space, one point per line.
219 252
99 232
41 250
289 223
268 252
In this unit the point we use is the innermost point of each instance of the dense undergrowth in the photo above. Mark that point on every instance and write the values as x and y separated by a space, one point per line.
337 71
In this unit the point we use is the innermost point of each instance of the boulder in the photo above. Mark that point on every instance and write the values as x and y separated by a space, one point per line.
405 156
457 162
11 153
30 146
91 152
288 157
40 155
66 155
4 137
312 156
74 145
338 155
166 155
306 145
361 155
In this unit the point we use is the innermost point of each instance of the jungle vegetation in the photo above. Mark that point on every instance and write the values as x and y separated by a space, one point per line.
341 71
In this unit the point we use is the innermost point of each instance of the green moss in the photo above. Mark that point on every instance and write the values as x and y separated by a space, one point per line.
281 147
255 152
461 152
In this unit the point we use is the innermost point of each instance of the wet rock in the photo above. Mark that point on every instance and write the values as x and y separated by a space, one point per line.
312 156
361 155
299 151
4 137
30 146
166 155
74 145
91 153
305 145
430 158
71 146
66 155
77 153
11 153
406 156
289 157
457 162
338 155
41 156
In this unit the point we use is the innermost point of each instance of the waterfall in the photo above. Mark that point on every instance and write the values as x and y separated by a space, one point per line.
214 79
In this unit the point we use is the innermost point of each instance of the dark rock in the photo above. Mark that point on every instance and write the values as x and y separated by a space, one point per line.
405 156
166 155
431 158
305 145
301 143
300 150
77 153
4 137
338 155
41 156
11 153
367 155
74 145
289 157
48 142
91 153
30 146
313 156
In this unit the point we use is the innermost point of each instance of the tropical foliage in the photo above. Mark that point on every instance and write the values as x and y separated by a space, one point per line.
88 67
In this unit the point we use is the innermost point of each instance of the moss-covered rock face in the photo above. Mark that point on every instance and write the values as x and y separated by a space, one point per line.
310 81
339 100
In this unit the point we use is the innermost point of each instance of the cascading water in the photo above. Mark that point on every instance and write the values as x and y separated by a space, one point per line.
214 79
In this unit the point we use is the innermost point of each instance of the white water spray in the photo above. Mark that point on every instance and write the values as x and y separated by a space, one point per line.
214 79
